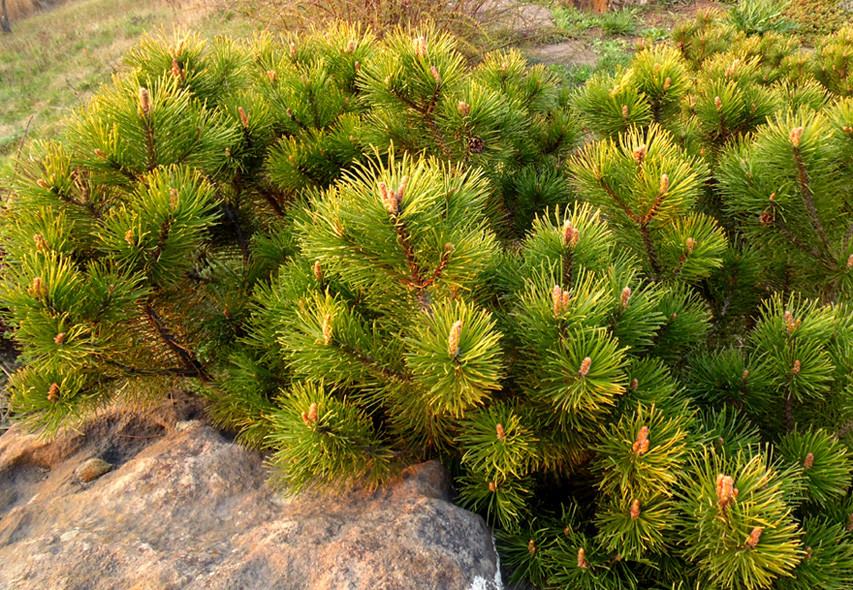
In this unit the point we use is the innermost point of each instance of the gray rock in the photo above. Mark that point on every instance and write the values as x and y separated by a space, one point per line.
183 508
568 53
92 469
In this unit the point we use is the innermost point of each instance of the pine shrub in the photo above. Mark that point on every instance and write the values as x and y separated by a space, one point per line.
635 356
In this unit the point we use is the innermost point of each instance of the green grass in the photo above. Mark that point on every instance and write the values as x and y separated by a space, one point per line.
53 61
617 22
613 54
570 19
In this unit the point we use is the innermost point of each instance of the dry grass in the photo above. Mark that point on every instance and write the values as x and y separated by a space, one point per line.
19 9
379 15
55 59
479 25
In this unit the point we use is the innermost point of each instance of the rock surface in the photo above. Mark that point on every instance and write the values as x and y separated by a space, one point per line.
184 508
574 53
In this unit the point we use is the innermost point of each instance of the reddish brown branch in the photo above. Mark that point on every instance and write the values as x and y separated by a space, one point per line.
806 194
408 251
619 202
149 139
654 210
445 257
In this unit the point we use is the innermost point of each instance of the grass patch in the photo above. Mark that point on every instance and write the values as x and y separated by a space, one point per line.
570 18
613 54
817 17
54 60
19 9
617 22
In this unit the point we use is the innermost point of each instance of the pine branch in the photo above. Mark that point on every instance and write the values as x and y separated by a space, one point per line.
159 326
789 235
63 196
165 228
86 202
568 268
194 276
439 137
650 248
619 202
313 102
445 257
654 209
149 141
642 222
272 200
806 194
135 371
408 251
426 112
191 147
231 216
374 366
390 270
128 174
844 430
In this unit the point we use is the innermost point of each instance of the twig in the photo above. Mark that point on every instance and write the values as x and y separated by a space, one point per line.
152 372
568 267
23 139
427 115
408 252
272 201
161 239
